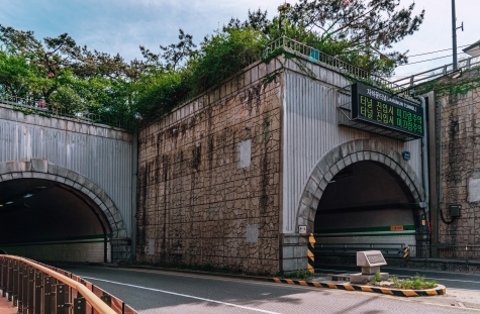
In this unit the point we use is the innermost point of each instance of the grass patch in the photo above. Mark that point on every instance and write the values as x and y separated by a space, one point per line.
416 282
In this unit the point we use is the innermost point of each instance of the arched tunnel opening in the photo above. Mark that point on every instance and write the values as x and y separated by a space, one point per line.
365 205
50 221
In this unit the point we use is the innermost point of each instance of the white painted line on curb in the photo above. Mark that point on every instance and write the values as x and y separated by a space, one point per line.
181 295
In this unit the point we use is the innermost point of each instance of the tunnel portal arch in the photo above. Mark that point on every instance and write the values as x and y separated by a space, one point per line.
79 186
343 156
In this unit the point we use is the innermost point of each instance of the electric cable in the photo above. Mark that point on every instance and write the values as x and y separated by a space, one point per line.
421 61
431 52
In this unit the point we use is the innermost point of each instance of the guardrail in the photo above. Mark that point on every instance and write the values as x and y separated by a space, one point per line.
438 72
37 288
447 251
342 249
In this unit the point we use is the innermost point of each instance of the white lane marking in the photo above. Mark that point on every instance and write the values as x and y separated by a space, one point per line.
182 295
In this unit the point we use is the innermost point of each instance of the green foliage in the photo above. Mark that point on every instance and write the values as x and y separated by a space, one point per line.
223 55
72 80
105 88
17 78
416 282
376 278
367 26
158 92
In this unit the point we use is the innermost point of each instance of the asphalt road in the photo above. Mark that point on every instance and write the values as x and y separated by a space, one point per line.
154 291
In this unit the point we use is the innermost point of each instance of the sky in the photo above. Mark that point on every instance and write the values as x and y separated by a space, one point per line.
121 26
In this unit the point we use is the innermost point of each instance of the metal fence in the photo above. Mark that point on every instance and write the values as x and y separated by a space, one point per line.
341 249
466 63
316 56
33 287
441 251
39 106
446 251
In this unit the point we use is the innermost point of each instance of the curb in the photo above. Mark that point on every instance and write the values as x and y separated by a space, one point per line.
439 290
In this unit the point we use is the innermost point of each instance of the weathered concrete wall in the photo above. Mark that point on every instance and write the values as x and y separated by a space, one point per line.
84 148
460 162
209 178
96 160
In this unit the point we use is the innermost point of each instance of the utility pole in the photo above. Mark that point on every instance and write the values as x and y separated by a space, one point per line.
454 36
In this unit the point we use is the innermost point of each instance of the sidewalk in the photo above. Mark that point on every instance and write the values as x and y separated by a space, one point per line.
6 307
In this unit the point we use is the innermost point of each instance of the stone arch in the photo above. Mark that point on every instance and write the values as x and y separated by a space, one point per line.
42 169
342 156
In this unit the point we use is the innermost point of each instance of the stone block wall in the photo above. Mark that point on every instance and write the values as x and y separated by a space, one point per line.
209 178
460 162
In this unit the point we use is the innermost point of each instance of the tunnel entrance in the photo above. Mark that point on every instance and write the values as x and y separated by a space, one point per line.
46 220
366 204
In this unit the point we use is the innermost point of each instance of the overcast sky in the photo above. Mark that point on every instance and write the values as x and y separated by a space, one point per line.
122 25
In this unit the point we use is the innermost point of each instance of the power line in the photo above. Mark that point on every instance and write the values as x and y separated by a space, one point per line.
431 52
421 61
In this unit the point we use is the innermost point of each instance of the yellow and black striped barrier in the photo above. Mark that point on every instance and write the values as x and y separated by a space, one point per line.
310 254
406 252
439 290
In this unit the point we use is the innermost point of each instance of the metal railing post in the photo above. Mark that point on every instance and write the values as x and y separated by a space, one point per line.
79 305
31 288
62 304
10 281
48 295
4 273
15 283
37 292
22 299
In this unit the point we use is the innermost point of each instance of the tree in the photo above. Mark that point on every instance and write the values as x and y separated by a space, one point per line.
77 80
224 54
58 53
16 76
368 26
359 32
72 79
